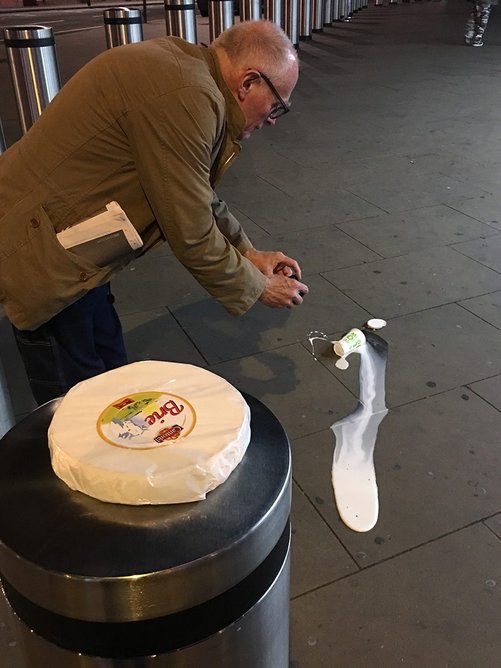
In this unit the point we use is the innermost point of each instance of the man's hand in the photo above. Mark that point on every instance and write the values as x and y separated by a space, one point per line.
273 262
282 291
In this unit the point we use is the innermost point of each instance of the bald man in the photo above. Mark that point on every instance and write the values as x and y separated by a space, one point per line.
152 126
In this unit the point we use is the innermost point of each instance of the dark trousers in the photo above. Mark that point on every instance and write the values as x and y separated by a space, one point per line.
83 340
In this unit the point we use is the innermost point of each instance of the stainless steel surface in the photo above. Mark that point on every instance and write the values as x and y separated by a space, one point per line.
122 26
291 21
221 15
3 146
90 560
336 10
180 19
6 412
33 66
257 639
327 12
250 10
274 11
305 16
317 20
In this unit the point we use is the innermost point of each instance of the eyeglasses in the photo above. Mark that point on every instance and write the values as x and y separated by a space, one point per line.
284 107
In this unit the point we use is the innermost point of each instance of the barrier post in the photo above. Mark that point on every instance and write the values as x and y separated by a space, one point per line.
122 25
221 15
33 66
180 20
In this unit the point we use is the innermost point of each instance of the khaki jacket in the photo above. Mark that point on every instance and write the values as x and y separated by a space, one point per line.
151 125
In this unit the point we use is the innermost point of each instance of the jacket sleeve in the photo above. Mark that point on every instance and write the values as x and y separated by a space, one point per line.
229 226
171 139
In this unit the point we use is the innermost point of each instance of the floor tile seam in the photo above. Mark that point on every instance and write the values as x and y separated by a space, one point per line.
397 555
190 339
481 397
353 238
367 201
331 530
453 208
486 294
482 264
258 352
489 528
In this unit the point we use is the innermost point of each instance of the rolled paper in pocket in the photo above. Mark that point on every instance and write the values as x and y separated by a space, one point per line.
350 342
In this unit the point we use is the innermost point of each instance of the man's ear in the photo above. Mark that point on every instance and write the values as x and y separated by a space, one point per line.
245 84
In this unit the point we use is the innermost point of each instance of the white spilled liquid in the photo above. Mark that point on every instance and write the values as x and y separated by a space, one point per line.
353 474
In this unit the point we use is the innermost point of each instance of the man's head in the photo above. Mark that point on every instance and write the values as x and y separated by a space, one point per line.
260 67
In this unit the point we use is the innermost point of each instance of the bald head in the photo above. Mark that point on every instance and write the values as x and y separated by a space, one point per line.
260 45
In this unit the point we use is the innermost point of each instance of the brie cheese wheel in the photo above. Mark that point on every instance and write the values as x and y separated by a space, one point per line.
149 433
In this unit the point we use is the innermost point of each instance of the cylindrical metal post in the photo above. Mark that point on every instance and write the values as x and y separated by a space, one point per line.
221 14
291 21
336 10
317 15
206 584
3 146
327 12
305 16
274 11
6 412
122 26
180 19
378 3
33 67
250 10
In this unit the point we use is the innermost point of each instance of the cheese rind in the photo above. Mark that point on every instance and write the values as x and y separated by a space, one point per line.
149 433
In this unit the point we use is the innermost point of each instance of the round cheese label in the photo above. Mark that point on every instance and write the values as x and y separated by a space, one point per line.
145 420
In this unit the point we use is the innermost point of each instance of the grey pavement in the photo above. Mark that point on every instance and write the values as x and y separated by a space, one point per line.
384 182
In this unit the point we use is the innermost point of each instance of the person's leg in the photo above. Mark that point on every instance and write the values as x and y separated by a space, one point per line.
108 335
64 350
469 29
483 13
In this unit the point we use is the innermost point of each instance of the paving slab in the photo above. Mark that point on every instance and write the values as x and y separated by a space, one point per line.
220 336
490 390
486 251
426 227
427 453
428 353
156 335
435 606
485 208
303 395
487 307
318 558
415 281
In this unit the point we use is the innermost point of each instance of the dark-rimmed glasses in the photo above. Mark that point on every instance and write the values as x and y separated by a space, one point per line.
284 107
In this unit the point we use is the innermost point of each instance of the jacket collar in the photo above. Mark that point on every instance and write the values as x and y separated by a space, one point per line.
235 119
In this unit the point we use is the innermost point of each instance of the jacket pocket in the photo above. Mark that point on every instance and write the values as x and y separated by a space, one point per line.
38 277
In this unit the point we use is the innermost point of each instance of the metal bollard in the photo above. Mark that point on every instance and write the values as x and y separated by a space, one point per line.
291 21
6 412
221 14
250 10
305 16
33 67
378 3
336 11
180 19
328 12
3 146
317 19
274 11
122 26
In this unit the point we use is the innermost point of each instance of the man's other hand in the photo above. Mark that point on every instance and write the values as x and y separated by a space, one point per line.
273 262
282 291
